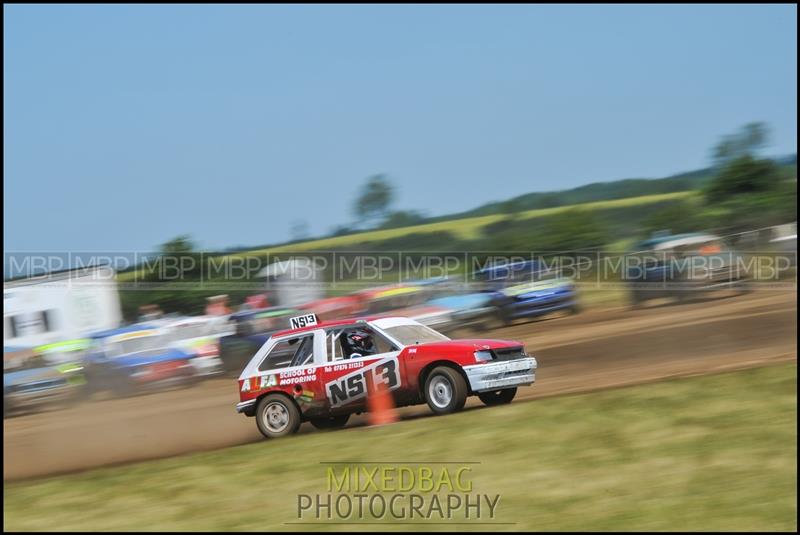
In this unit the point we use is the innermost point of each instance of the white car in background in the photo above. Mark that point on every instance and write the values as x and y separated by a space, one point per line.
199 335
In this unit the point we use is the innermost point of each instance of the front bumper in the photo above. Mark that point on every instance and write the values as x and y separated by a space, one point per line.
499 375
21 399
246 406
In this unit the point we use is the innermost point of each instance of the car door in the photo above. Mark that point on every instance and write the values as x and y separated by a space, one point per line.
346 382
287 364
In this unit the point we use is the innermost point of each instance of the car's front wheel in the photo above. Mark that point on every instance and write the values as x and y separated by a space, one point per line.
277 416
330 422
445 390
498 397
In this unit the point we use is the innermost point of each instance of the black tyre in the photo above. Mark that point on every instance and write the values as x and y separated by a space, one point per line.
122 386
742 287
277 416
445 390
331 422
505 317
636 300
498 397
493 322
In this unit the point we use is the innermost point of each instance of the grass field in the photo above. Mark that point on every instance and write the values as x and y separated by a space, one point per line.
712 453
467 228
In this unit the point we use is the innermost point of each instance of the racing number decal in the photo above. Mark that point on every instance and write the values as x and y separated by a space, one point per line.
298 322
356 385
388 373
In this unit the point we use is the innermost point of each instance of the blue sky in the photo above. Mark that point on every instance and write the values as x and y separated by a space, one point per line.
127 125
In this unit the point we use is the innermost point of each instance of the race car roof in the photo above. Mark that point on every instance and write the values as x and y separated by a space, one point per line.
676 240
121 330
379 321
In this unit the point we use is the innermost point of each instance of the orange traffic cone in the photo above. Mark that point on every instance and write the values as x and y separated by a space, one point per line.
381 406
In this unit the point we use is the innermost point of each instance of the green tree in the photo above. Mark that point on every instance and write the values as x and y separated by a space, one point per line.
374 200
743 175
180 244
746 142
739 169
571 230
747 191
179 261
676 218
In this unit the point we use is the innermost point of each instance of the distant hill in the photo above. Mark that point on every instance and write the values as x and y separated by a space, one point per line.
599 191
594 192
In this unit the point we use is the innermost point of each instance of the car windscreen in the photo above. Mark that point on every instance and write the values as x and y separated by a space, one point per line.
410 335
517 275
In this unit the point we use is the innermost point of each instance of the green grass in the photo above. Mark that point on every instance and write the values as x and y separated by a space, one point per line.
466 228
709 453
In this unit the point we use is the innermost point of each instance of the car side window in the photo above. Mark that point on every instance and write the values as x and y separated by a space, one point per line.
344 351
305 353
292 352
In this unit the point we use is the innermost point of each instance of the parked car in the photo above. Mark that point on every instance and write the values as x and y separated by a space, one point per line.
526 289
683 266
410 300
199 336
30 382
136 358
470 311
343 306
68 357
323 373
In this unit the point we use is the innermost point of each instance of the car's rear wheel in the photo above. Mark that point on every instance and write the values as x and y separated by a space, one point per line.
277 416
330 422
445 390
498 397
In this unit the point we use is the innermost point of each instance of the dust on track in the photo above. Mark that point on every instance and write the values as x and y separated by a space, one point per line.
597 349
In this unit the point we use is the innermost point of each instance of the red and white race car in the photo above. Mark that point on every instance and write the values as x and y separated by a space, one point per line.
323 372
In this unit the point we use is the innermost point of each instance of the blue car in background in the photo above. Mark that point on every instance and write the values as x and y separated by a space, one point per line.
135 358
526 289
30 381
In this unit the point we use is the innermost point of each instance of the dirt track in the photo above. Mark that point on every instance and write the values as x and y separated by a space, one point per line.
593 350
